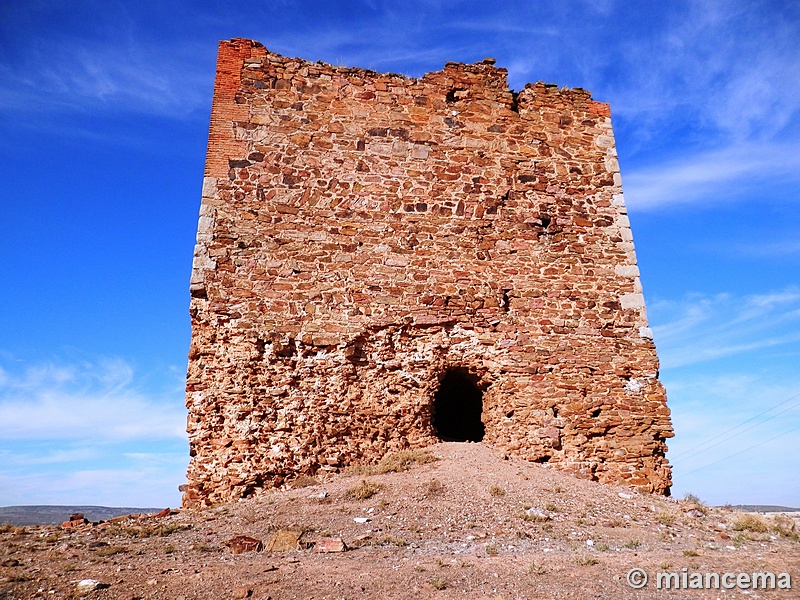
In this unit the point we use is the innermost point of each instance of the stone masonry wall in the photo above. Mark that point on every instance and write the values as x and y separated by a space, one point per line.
362 234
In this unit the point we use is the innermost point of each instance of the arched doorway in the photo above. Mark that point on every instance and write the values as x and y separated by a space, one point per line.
457 407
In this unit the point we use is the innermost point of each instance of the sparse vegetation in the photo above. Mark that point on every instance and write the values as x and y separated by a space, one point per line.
748 522
145 530
535 569
304 481
434 488
201 547
395 462
362 491
741 538
667 519
492 550
586 561
496 491
551 507
691 552
439 584
632 544
785 527
393 541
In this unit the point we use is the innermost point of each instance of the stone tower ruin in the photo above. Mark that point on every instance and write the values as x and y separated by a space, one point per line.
384 262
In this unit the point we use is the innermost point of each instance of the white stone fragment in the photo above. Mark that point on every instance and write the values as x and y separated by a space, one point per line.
88 585
631 301
627 270
646 332
209 187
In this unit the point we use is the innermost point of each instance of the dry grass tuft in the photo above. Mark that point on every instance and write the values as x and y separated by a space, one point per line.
434 488
304 481
534 569
362 491
439 584
146 530
110 550
496 491
752 523
786 527
395 462
667 519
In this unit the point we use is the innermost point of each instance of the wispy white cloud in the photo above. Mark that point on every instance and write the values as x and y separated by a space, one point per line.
50 457
716 176
702 328
763 249
114 75
729 65
82 431
84 401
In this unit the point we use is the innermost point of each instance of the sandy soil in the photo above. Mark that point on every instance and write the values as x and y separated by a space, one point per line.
471 524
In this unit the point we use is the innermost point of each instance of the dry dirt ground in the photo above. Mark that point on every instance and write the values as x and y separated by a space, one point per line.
471 524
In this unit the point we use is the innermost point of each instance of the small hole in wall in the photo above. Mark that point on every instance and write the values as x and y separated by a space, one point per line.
457 408
505 302
543 459
453 95
595 413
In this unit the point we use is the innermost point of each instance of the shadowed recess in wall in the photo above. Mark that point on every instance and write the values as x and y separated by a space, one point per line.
457 408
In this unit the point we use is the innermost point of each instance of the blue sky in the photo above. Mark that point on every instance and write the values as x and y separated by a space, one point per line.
104 110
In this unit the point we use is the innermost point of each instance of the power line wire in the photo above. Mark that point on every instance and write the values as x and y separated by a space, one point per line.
741 451
691 451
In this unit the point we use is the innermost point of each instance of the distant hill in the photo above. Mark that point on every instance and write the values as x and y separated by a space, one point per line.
54 515
763 508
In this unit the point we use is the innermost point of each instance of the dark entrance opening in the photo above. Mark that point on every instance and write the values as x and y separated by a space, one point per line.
457 408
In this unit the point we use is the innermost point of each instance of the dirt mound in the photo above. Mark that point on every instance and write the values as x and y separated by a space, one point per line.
471 524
